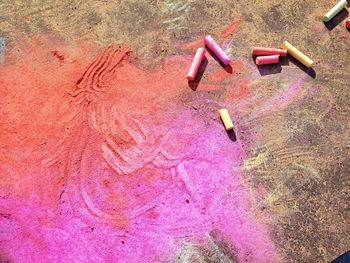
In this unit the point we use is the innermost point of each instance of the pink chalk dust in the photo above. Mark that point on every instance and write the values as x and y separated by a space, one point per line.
104 161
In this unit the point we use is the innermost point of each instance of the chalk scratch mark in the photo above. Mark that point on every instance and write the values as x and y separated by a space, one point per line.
282 100
177 13
90 82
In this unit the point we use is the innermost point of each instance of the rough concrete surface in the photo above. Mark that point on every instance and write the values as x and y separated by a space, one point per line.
300 152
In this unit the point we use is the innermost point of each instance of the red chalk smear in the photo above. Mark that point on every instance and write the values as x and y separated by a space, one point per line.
239 90
221 74
218 75
236 66
231 28
44 104
191 45
209 87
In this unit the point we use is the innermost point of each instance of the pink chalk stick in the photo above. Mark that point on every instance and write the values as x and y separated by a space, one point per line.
197 60
267 60
210 42
261 51
347 24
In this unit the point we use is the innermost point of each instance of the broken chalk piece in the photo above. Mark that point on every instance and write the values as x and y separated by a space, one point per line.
335 10
261 51
298 55
210 42
265 60
226 119
197 60
347 24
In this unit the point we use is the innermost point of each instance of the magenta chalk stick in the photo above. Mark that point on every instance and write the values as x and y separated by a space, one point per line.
347 24
267 60
210 42
197 60
261 51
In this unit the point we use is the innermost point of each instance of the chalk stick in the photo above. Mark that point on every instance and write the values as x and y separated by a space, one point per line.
298 55
335 10
197 60
347 24
261 51
226 119
265 60
210 42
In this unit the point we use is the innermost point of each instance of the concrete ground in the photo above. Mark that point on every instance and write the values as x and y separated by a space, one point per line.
300 154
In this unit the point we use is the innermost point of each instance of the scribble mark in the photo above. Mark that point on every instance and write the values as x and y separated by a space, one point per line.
90 82
177 13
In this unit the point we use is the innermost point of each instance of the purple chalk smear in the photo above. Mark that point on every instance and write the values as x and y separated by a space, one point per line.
210 42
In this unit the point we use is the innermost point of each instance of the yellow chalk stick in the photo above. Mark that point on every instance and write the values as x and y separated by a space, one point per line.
226 119
297 54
